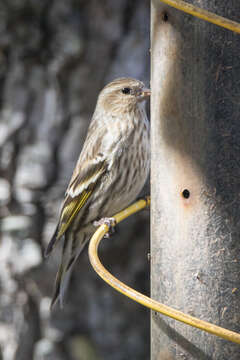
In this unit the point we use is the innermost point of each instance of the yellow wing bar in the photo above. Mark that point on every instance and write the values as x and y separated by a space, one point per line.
73 208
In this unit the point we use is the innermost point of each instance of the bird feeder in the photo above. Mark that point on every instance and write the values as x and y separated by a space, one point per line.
195 180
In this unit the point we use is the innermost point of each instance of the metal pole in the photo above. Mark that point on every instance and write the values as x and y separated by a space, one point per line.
195 180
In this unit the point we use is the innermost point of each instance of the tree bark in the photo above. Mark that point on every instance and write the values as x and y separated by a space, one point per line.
55 56
195 180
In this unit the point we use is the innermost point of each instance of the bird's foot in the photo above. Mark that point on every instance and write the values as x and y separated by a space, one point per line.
110 222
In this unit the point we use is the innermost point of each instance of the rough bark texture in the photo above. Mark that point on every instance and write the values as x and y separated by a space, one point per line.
195 147
55 56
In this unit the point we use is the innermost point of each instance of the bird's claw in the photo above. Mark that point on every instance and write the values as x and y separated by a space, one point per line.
110 222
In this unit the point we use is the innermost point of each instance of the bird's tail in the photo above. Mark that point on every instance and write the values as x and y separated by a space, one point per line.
72 248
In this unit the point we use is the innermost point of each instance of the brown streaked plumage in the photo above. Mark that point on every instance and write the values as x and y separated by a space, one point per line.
111 170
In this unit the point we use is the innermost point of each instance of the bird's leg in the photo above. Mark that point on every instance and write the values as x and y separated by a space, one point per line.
110 222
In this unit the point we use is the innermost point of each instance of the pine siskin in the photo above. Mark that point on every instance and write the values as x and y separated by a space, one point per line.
111 170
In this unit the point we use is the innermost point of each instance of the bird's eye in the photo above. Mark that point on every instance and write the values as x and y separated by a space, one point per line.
126 90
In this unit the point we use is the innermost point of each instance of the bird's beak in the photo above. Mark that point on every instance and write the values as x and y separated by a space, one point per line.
145 93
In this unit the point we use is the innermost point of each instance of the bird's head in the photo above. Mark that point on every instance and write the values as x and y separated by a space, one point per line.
122 95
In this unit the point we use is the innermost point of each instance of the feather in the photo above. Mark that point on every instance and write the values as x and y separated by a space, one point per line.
104 181
65 269
80 189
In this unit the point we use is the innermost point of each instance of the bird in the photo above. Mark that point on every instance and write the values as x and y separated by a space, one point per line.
111 170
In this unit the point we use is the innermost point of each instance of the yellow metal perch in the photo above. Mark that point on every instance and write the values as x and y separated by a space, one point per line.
204 14
140 298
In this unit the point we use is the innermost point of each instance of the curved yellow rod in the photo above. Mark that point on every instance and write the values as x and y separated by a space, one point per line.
204 14
140 298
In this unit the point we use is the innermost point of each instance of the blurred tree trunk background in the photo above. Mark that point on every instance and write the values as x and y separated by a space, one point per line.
55 56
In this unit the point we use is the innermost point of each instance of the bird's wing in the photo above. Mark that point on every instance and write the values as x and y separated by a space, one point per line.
81 187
